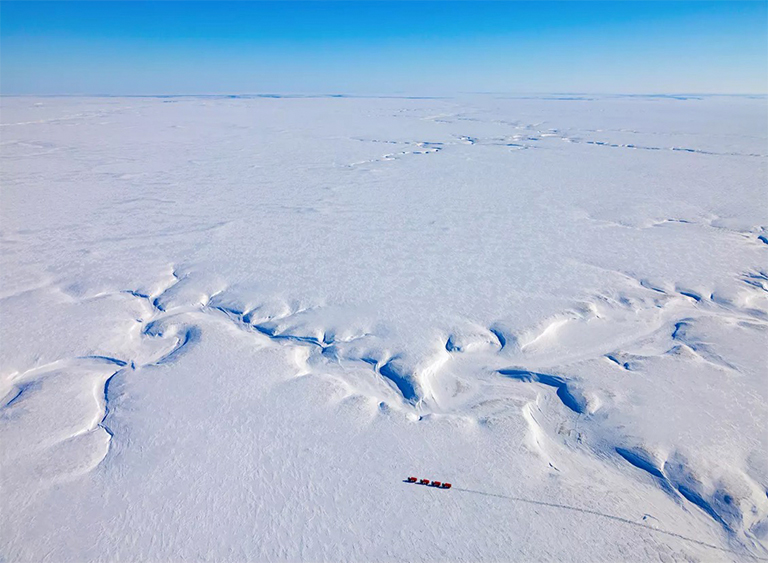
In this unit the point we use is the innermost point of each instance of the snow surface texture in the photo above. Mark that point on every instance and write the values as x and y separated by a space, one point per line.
231 328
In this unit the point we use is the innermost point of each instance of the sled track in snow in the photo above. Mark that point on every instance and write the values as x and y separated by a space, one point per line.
614 518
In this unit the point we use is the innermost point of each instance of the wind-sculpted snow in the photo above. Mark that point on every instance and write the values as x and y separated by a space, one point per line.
261 314
573 401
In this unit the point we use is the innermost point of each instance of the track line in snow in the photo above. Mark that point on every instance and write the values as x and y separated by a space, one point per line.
610 517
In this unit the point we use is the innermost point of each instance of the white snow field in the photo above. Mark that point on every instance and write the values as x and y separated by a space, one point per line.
232 328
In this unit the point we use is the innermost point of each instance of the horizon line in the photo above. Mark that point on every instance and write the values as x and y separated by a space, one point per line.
393 95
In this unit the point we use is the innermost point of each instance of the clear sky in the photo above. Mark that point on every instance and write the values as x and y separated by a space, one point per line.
426 48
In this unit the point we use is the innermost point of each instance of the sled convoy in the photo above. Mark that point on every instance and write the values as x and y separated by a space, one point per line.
429 483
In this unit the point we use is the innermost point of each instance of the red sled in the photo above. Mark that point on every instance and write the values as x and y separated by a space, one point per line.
424 482
411 479
446 485
436 483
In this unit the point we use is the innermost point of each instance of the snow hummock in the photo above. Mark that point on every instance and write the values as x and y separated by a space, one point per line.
232 327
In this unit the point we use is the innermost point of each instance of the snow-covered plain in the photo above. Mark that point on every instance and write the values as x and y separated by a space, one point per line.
231 328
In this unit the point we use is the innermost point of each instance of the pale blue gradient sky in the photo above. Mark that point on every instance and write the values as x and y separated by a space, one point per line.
428 48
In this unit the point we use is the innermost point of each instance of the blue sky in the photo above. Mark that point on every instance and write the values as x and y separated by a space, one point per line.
425 48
